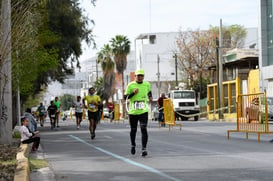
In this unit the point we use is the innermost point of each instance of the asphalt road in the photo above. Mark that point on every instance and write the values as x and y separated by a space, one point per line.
200 151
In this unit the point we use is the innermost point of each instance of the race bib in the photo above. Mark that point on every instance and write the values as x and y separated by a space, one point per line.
139 105
92 106
53 115
43 111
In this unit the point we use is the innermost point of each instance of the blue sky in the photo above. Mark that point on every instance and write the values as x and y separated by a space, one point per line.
133 17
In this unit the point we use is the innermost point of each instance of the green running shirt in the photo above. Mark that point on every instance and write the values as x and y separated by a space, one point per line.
57 103
139 102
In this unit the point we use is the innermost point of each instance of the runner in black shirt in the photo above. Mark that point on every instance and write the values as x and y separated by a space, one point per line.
52 111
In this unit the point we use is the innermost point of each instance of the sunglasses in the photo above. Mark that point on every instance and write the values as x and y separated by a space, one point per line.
140 75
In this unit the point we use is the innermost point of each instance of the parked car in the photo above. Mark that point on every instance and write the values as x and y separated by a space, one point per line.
255 111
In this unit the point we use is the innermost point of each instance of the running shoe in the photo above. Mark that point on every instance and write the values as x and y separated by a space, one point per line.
133 150
93 136
144 152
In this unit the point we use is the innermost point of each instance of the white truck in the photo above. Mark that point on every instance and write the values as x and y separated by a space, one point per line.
184 102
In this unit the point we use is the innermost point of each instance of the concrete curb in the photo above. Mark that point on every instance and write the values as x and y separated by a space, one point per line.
42 174
22 169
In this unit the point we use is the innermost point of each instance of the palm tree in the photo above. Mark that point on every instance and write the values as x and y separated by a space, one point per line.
107 66
121 48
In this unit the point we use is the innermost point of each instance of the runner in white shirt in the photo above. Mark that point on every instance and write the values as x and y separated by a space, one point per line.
78 111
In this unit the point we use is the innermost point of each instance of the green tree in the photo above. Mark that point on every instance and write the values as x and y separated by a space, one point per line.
98 85
107 66
121 48
197 51
67 101
63 29
233 35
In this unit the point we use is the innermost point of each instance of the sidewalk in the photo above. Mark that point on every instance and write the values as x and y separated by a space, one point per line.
43 174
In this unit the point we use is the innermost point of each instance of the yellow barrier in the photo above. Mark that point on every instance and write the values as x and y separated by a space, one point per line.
252 114
169 117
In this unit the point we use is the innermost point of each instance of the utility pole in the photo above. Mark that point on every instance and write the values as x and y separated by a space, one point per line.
158 76
220 58
176 81
5 75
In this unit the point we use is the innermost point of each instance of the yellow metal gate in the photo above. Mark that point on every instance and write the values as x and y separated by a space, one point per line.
252 114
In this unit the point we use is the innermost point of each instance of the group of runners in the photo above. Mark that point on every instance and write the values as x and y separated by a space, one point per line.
138 92
53 111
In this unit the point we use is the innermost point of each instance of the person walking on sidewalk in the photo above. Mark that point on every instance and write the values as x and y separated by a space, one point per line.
27 136
58 105
139 92
93 101
78 111
160 109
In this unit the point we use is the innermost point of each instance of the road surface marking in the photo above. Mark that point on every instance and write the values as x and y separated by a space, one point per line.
108 137
126 160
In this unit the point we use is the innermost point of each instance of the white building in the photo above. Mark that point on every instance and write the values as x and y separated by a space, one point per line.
155 54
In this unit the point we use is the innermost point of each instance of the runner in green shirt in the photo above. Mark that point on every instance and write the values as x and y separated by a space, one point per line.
58 104
139 92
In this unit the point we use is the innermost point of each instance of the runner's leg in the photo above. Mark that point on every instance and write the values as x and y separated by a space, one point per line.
77 120
133 124
144 134
51 122
57 119
80 119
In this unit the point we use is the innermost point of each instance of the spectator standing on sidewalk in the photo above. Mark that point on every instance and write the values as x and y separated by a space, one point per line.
111 107
160 109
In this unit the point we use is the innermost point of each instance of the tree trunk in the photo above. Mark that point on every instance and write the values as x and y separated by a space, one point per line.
5 75
15 115
201 85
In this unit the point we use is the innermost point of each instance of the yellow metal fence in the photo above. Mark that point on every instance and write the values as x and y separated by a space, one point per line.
252 114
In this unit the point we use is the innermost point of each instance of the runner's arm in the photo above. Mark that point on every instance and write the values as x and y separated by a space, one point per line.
83 102
129 96
150 96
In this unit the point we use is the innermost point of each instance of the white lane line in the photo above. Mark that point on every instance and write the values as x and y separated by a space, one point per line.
126 160
108 137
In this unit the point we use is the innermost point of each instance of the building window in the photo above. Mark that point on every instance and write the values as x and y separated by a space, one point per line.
152 39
